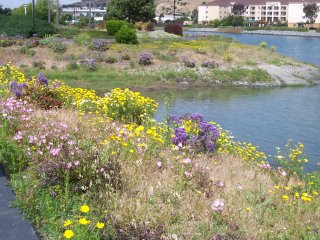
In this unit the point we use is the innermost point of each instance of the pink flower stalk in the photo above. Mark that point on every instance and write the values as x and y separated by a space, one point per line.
54 151
220 184
187 160
218 205
188 174
159 164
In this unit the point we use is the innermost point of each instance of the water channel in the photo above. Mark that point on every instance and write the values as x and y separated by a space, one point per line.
264 117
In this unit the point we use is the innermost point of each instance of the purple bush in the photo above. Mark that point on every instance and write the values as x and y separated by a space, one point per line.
145 59
202 140
99 45
187 62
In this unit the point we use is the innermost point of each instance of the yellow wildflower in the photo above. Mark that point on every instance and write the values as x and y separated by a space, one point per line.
68 234
84 221
285 197
84 208
67 223
100 225
277 187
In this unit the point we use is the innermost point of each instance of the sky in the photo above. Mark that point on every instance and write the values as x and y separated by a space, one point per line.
17 3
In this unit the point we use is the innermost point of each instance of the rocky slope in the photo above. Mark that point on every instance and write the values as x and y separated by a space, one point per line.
182 6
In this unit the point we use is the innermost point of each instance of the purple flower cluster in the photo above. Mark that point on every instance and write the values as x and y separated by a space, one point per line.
187 62
180 138
204 140
17 89
100 46
145 59
42 79
90 64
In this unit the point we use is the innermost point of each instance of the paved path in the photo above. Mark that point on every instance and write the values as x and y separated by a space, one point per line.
12 225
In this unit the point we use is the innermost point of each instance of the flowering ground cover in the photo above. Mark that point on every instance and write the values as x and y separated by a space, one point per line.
90 167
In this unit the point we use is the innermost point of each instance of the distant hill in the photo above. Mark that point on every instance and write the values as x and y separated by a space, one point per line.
182 6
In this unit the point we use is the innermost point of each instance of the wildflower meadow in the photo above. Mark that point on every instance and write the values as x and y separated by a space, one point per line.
86 166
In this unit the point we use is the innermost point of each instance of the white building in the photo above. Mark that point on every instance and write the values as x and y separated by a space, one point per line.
261 11
296 16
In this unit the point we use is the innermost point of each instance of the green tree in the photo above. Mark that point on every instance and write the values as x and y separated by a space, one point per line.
20 10
238 9
41 9
311 12
237 21
5 11
131 10
194 15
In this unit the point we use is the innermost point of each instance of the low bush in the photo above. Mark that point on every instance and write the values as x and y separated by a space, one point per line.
39 64
113 26
46 41
27 51
126 35
174 28
89 64
58 47
125 57
145 59
149 26
72 65
100 46
263 44
210 64
7 41
187 62
111 59
32 42
22 26
83 39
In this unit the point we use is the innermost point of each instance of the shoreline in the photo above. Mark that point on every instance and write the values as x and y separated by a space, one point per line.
262 32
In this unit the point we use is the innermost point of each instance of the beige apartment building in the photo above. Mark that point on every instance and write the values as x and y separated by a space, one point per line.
256 10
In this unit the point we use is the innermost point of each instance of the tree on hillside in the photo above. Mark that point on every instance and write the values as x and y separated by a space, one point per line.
5 11
311 12
131 10
238 9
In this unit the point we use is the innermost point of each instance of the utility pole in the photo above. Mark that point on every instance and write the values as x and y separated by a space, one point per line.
57 13
174 10
33 17
89 14
106 17
49 11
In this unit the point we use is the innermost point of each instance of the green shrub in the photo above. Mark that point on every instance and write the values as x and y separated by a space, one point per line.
73 65
263 44
59 47
82 39
27 51
126 35
17 25
113 26
111 59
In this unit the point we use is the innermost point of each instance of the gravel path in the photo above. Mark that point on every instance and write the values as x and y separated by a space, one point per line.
12 224
293 75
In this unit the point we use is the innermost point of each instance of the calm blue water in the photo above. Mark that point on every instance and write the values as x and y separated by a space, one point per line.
265 117
305 49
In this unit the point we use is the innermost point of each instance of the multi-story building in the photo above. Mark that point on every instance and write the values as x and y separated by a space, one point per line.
214 10
296 16
256 10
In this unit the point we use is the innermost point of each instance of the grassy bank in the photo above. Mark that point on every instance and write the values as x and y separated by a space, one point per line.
100 168
171 61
